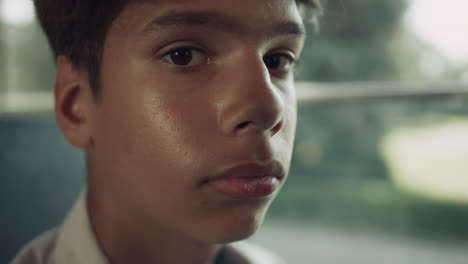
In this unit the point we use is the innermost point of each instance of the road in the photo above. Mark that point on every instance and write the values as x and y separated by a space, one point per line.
310 244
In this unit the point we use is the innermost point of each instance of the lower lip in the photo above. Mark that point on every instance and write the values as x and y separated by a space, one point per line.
246 187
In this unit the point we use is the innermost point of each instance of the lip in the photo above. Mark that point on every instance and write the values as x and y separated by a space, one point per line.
249 180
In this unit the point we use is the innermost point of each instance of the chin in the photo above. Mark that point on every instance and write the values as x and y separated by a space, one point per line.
237 225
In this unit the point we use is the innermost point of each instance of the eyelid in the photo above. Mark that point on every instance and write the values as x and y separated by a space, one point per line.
186 68
289 55
184 47
206 54
180 43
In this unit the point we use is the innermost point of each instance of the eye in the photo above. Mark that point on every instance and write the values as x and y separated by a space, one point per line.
185 56
280 62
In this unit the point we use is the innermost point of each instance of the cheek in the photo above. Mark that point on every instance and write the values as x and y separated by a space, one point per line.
285 141
291 115
151 121
171 131
150 132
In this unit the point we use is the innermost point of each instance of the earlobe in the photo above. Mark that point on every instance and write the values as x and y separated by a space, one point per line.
73 103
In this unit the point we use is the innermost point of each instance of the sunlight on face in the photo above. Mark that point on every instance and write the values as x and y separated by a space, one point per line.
16 12
442 24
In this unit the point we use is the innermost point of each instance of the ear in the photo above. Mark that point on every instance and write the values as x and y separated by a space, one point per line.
74 103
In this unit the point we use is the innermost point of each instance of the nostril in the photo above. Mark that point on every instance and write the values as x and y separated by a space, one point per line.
277 127
243 125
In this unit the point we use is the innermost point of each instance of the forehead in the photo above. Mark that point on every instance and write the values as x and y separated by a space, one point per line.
252 15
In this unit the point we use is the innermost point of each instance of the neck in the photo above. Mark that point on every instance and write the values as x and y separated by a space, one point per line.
124 238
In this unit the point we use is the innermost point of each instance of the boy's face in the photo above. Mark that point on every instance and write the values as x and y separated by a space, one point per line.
191 89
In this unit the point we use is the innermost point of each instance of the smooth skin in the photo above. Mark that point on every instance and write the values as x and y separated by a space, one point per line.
189 89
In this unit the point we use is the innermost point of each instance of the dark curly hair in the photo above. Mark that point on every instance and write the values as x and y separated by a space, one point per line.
77 28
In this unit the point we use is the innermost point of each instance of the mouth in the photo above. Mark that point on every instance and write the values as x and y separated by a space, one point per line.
249 180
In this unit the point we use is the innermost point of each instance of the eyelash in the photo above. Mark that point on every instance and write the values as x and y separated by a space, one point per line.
291 60
185 68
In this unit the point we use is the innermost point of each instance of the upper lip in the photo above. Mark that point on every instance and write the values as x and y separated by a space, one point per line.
253 169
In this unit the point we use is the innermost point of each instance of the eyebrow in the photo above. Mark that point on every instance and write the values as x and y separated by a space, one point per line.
217 21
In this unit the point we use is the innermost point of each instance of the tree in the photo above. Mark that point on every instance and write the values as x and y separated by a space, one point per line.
355 42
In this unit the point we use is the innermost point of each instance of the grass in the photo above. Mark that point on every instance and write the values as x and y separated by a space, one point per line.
371 204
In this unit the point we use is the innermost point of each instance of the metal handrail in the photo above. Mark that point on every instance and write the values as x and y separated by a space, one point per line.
27 102
308 93
312 93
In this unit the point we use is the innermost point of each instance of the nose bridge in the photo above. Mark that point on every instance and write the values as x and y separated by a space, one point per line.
252 102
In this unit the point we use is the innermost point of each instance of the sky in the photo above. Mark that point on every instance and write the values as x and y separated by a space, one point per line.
442 24
16 12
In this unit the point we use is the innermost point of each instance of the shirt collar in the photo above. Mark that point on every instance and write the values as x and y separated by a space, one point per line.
76 241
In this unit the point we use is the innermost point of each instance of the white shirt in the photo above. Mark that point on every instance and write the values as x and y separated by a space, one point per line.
74 242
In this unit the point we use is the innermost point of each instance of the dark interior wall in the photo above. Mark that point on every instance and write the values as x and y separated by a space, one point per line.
41 175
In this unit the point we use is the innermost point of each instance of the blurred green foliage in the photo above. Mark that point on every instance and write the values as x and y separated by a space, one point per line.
30 63
372 205
338 175
360 40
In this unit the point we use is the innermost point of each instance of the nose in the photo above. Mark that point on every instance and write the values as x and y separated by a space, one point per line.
250 102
